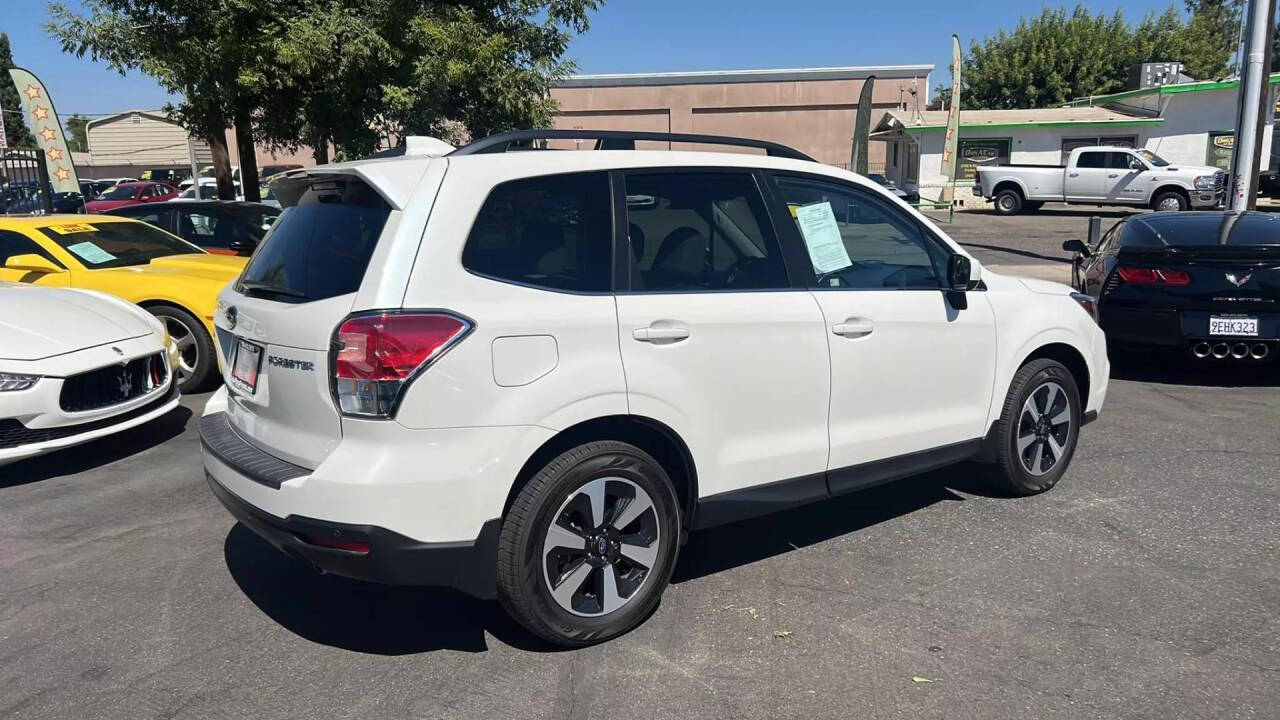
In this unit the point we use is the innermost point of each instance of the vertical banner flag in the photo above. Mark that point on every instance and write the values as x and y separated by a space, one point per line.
953 125
862 128
44 121
4 141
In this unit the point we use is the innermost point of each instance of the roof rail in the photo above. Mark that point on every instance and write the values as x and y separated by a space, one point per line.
618 140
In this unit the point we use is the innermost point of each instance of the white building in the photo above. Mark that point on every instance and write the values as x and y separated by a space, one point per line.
1191 123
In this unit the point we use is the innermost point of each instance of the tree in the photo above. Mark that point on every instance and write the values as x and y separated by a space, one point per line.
78 127
209 53
454 70
1059 56
15 124
941 98
1212 36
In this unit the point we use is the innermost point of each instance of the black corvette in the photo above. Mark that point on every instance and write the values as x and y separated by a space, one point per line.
1206 282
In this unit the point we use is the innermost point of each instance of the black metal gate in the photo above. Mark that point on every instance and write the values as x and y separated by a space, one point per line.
24 182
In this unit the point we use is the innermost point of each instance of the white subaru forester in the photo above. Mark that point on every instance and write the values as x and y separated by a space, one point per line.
527 375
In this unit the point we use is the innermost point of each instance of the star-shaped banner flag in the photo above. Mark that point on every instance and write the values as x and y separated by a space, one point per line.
37 104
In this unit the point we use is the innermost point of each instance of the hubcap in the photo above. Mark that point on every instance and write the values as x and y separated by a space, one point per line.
1169 204
1044 428
601 546
188 351
1006 203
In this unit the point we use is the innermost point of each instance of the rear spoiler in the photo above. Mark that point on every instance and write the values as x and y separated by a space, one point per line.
394 181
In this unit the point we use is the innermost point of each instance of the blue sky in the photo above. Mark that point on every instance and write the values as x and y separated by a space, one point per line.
637 36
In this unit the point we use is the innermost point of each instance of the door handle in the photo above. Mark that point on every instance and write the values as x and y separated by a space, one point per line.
1073 175
1111 175
659 334
853 328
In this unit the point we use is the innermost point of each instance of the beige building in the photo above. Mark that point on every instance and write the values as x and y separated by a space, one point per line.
130 142
809 109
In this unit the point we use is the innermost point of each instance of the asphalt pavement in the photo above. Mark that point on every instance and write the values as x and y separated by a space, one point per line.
1146 585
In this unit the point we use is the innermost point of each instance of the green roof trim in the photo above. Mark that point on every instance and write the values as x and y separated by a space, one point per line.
1199 86
1035 124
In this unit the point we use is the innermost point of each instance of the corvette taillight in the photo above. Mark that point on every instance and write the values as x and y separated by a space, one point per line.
1153 276
378 354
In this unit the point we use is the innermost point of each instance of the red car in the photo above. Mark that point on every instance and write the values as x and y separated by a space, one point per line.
131 193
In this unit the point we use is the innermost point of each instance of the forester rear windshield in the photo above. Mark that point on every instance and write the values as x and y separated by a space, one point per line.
320 247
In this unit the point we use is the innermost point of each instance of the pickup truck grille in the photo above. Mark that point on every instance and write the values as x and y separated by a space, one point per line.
1219 181
113 384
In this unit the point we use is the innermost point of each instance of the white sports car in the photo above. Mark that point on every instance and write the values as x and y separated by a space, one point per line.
76 365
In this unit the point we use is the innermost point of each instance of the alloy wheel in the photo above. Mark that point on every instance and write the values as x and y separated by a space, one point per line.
1169 203
188 350
601 547
1044 428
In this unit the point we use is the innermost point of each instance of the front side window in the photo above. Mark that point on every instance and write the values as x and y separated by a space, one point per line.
11 244
700 231
552 232
100 245
857 240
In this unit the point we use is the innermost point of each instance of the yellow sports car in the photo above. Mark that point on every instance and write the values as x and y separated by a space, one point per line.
173 279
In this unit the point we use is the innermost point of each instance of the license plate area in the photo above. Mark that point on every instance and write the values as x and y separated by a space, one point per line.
1233 325
246 365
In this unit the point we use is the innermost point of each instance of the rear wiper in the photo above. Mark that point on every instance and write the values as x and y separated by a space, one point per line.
250 286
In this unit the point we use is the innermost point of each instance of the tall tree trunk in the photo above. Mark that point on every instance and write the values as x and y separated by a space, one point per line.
248 156
320 149
221 166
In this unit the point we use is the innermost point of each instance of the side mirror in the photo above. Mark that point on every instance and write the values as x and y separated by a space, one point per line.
959 269
1076 246
31 262
1136 164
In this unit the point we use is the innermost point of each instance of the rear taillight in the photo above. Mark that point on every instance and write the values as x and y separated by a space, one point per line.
1153 276
379 354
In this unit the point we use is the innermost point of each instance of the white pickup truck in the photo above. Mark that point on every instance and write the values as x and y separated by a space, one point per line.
1103 175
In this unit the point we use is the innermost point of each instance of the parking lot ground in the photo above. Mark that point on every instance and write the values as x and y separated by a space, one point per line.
1146 585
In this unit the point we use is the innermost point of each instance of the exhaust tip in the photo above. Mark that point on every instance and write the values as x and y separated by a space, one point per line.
1201 349
1239 351
1259 351
1221 350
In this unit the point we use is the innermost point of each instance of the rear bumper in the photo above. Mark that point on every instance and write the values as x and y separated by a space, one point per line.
392 558
1172 328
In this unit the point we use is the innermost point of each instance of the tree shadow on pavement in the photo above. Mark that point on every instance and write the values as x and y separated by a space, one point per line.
1174 368
360 616
723 548
97 453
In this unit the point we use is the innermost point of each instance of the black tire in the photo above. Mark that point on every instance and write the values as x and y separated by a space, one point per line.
524 571
199 368
1169 197
1015 475
1008 202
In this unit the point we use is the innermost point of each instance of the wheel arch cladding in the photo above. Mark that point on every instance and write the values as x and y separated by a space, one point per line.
1008 185
654 437
1071 359
1186 194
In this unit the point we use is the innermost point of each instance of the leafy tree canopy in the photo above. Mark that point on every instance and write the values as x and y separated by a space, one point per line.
1059 56
15 125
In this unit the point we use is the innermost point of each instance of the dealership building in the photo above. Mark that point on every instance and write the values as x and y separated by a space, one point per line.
1185 123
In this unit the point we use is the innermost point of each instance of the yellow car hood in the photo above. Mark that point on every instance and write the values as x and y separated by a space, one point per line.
218 268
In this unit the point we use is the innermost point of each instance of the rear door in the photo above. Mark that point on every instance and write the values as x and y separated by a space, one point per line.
715 340
276 322
1087 179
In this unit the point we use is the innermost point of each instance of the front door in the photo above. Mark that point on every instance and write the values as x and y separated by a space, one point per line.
1124 179
911 374
715 341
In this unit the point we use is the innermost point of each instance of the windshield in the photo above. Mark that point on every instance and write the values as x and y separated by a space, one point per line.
116 244
121 192
1152 158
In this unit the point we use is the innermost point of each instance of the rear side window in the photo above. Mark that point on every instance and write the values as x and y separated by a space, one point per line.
1092 160
321 247
700 231
553 232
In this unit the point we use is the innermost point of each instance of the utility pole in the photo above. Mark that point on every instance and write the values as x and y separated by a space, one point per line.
1253 106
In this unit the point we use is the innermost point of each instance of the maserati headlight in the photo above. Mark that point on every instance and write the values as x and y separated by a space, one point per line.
16 381
1204 182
